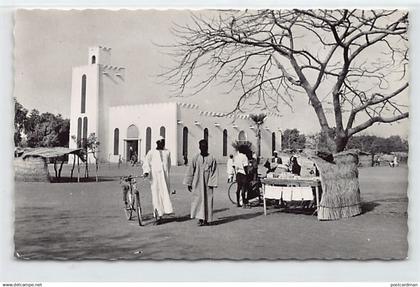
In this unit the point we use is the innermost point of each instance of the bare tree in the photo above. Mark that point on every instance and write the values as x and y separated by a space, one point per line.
350 63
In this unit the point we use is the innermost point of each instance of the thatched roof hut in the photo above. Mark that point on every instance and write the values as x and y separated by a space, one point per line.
32 165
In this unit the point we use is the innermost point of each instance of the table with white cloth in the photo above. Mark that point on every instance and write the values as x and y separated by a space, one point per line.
290 189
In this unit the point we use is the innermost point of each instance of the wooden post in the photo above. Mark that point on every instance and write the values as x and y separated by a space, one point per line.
265 204
78 168
72 168
61 167
317 198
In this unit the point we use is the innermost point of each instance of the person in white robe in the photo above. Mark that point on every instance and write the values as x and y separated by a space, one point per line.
157 166
201 179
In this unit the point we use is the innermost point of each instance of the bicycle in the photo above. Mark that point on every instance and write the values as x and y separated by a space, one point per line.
256 188
131 198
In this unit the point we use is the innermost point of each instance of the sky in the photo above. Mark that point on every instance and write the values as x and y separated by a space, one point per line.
48 43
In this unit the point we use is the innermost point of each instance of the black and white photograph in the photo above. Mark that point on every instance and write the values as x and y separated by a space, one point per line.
219 134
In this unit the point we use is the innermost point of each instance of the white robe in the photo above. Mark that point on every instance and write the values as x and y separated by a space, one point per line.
157 164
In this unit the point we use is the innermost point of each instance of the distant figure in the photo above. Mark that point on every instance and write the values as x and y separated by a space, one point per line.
119 161
130 154
294 166
252 167
394 162
201 179
230 169
134 158
314 171
157 164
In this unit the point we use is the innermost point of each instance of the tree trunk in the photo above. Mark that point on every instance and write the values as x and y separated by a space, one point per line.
87 165
78 169
61 168
326 142
96 169
340 186
341 143
258 145
55 168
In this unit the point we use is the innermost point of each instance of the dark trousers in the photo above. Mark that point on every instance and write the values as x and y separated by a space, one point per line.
242 181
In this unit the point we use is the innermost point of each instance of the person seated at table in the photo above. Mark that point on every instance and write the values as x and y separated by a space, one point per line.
294 166
272 164
276 159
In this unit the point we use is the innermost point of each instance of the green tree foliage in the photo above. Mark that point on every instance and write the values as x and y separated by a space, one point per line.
375 144
293 139
41 130
20 122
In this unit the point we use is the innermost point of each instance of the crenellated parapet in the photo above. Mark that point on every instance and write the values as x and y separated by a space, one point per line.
114 72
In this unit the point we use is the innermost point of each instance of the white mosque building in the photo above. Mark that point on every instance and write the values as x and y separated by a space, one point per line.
125 129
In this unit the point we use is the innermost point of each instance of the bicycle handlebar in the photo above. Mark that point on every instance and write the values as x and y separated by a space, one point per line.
130 177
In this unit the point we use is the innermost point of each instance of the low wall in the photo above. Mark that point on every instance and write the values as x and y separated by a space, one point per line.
31 169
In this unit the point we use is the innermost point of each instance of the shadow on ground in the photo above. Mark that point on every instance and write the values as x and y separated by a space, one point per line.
83 179
369 206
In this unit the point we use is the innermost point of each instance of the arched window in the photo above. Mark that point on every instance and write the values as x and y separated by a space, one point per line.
93 59
206 134
148 139
242 136
273 142
85 128
225 138
185 142
79 132
83 95
162 131
132 132
116 141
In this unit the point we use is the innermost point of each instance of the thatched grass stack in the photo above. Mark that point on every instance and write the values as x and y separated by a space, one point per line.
31 169
340 186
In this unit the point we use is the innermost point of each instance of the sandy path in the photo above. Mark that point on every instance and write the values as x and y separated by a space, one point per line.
86 221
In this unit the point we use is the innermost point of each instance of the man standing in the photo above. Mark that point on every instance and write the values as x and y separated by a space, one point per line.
201 179
241 166
157 164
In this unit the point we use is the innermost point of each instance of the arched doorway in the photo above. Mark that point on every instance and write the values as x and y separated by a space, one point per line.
132 143
242 136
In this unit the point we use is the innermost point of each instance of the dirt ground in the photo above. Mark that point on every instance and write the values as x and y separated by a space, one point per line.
86 221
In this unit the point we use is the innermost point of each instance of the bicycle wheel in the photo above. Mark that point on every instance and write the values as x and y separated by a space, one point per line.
138 209
232 192
129 206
